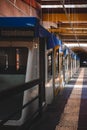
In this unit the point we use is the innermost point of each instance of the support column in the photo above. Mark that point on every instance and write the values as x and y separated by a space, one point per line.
42 73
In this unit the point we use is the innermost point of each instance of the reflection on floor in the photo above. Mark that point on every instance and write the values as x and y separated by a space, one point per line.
69 109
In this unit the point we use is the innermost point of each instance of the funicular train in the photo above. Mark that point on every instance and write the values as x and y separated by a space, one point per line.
29 52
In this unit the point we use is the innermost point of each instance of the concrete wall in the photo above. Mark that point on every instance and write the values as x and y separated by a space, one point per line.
18 8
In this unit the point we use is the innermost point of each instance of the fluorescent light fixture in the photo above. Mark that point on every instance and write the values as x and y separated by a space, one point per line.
66 6
71 45
83 45
81 29
84 22
75 44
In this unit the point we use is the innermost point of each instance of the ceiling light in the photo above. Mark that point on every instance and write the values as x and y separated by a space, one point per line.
75 44
66 6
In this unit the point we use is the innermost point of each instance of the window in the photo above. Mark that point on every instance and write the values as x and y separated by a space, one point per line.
13 60
49 60
57 63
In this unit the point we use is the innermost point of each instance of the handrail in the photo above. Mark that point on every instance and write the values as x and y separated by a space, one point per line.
18 110
4 94
18 89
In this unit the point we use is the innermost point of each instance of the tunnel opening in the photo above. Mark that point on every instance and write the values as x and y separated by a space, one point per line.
82 53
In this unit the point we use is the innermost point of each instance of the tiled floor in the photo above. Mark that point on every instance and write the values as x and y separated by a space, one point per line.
74 116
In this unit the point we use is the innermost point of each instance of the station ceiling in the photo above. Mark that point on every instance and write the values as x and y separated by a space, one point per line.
70 16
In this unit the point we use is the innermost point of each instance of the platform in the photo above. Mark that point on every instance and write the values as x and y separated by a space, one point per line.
69 109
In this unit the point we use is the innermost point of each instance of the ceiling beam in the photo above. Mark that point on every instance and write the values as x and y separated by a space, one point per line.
62 17
69 31
71 28
71 41
72 37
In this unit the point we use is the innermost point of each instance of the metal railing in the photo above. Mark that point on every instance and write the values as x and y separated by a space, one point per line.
13 91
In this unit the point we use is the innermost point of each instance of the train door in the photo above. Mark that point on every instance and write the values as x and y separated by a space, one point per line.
69 67
61 71
56 70
49 76
64 68
65 65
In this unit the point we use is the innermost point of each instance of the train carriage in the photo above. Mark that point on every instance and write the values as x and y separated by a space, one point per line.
23 47
30 62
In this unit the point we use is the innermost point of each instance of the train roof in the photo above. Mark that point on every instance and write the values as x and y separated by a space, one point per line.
18 22
28 23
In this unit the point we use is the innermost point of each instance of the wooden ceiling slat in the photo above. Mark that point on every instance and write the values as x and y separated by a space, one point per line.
62 17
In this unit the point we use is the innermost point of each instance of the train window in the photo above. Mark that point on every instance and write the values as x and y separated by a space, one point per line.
65 63
69 60
13 60
49 60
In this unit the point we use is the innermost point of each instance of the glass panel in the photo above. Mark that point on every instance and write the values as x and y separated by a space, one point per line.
13 60
57 64
49 60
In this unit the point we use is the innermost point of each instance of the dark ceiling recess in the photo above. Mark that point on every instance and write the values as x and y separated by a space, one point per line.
60 10
39 1
65 2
